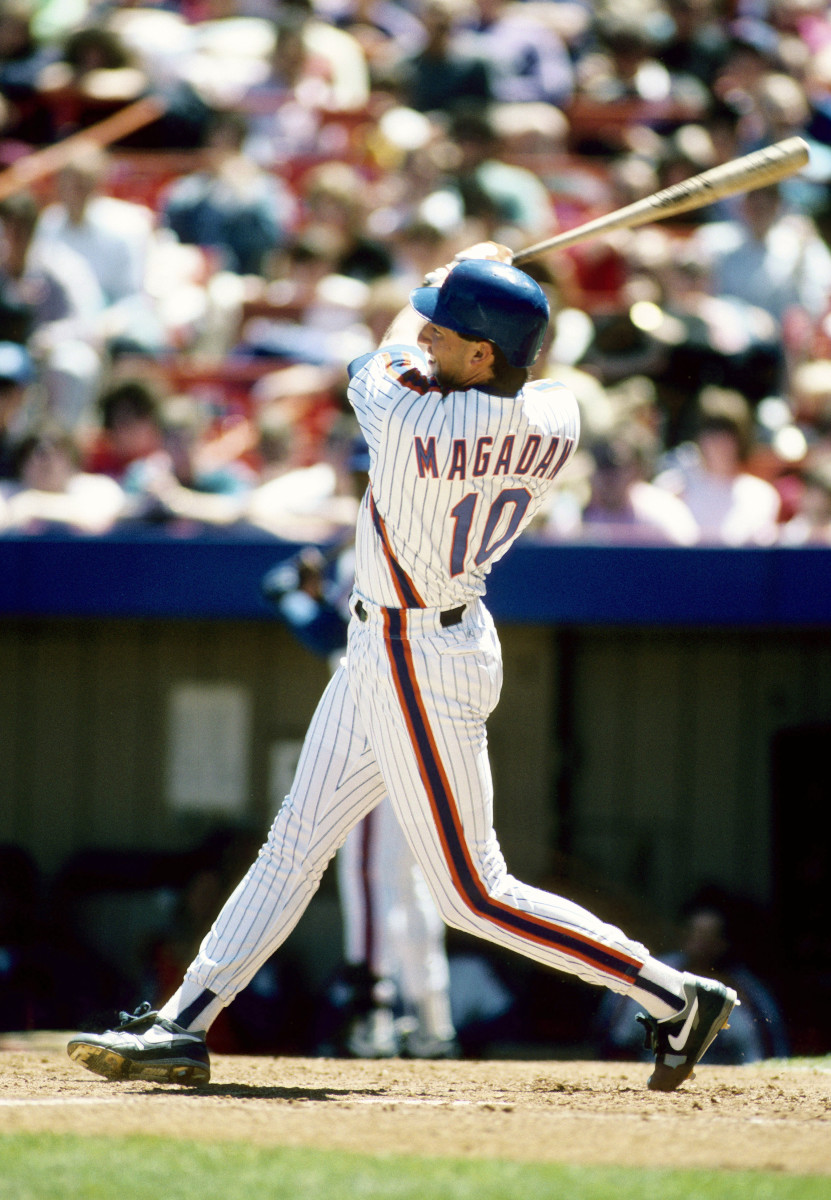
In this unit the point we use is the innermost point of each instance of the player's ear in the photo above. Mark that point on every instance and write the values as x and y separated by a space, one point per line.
482 354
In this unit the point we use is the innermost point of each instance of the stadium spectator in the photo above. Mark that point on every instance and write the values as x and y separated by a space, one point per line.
753 50
113 236
624 64
50 491
96 71
527 57
344 54
22 61
708 339
16 373
386 30
730 505
623 505
303 496
500 195
335 199
50 302
696 43
285 108
767 256
129 427
230 205
440 76
810 524
194 475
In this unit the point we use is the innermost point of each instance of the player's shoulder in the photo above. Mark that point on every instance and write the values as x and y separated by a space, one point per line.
393 360
551 396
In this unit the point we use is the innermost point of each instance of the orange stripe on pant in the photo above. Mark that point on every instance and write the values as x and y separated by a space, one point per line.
466 879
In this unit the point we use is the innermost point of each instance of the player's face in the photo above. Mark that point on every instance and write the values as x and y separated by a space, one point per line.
455 361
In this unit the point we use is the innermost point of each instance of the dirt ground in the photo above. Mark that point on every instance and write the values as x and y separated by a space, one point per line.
767 1117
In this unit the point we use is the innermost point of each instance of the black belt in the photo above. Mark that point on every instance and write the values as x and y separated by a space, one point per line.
450 616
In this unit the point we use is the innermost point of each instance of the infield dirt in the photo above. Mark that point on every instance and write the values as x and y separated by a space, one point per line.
765 1117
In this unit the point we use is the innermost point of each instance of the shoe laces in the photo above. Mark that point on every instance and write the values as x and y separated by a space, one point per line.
144 1015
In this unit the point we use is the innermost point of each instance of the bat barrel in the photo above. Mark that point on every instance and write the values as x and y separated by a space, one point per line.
759 169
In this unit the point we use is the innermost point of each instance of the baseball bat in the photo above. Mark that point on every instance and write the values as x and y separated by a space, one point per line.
755 170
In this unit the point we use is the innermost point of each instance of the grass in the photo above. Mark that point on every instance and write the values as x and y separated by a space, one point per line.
72 1167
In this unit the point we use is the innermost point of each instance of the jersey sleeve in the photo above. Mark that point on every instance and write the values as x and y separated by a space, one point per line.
380 379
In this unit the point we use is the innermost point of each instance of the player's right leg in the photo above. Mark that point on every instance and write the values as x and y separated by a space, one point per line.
337 782
426 704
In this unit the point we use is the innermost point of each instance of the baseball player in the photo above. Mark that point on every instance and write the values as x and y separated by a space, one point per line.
463 451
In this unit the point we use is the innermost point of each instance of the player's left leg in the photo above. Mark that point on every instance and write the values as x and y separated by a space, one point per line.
337 782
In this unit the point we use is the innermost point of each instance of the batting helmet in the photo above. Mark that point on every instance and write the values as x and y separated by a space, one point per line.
489 300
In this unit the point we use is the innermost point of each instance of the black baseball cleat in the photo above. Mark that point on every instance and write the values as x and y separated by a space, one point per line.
680 1041
144 1046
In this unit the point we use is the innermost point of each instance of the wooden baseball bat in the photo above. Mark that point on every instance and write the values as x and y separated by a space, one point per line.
745 174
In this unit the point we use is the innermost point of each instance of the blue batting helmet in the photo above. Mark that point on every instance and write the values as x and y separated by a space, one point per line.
489 300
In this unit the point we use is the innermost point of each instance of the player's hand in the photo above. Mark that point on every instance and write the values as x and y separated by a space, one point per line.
491 250
437 277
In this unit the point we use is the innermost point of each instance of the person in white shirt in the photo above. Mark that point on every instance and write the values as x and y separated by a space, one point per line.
624 506
113 236
51 491
767 256
731 506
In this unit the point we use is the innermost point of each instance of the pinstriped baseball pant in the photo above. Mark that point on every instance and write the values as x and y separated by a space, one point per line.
405 715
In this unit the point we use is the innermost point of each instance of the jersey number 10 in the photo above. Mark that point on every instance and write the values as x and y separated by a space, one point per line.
463 515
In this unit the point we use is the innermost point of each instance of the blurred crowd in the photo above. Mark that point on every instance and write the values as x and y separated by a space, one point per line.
181 292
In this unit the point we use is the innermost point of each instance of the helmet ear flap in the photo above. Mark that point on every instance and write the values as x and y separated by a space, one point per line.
493 301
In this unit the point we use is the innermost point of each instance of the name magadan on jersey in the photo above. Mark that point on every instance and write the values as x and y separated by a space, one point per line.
463 474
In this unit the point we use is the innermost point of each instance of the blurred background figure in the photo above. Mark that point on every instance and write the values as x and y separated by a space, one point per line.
129 427
386 30
23 57
335 199
810 524
113 236
50 301
441 76
522 44
768 256
16 373
623 504
231 205
195 475
50 491
718 934
304 491
508 200
730 505
285 108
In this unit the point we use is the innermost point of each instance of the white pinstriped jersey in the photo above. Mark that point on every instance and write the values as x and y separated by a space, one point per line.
455 478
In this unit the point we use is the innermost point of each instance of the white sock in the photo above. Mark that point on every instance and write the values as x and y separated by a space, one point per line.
193 1007
659 989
